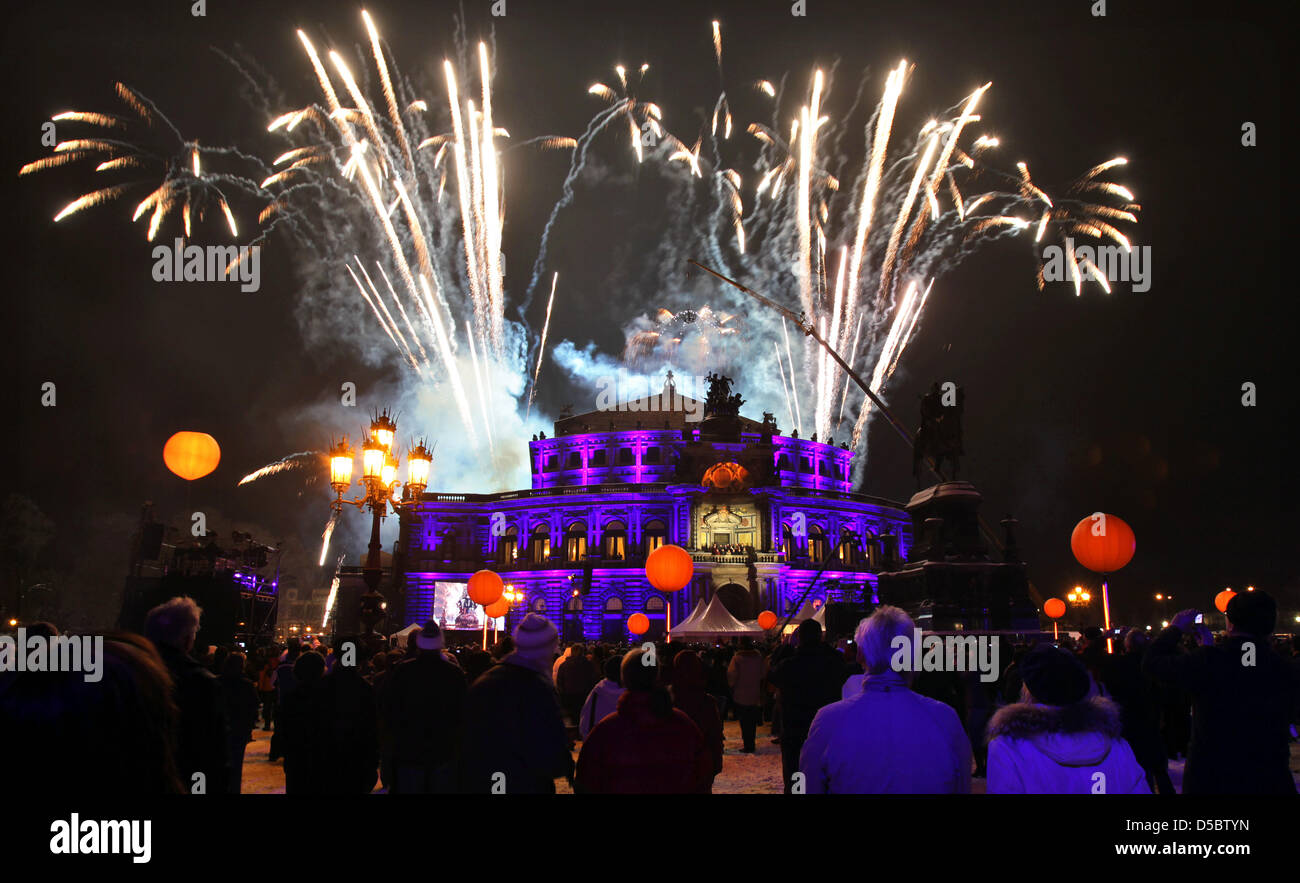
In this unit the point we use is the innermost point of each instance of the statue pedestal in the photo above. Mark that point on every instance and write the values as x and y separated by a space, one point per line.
949 583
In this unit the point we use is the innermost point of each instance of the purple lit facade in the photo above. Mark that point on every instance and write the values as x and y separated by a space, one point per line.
611 486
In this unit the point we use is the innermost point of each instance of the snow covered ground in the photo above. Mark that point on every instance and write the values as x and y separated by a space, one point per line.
758 773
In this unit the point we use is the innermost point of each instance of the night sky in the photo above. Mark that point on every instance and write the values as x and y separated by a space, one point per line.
1128 403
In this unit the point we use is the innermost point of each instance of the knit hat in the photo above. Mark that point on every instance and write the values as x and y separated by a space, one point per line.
1055 676
535 636
429 637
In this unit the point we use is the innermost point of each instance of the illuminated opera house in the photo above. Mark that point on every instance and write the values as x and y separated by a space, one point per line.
760 512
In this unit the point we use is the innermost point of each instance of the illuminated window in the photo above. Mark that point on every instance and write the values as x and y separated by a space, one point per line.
541 543
816 544
508 546
614 541
654 534
575 542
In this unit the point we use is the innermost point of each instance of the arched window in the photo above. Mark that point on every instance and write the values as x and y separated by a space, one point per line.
848 549
508 546
575 542
538 605
573 605
654 534
817 546
656 611
788 545
541 543
613 542
613 626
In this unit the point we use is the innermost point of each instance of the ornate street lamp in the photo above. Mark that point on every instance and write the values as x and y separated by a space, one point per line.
379 470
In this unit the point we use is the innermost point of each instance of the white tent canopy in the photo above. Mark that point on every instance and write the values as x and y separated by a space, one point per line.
715 620
398 639
807 611
693 619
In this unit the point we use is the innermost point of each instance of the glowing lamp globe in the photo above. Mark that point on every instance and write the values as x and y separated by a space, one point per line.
766 620
1054 608
191 455
638 623
669 568
1104 544
497 609
1221 600
485 587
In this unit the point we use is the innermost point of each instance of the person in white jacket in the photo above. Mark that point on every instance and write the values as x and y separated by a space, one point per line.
603 698
1060 739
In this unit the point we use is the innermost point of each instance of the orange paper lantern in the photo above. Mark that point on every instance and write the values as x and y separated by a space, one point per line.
1103 545
191 455
485 587
497 609
638 623
669 568
766 620
1054 608
1221 600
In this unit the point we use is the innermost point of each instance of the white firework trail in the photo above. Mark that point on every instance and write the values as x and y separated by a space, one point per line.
541 347
293 461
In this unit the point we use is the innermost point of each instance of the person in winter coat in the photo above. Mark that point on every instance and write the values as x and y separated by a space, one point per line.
1124 682
1058 739
266 691
514 736
304 729
423 708
202 745
560 660
689 692
573 681
1242 694
353 715
808 679
745 675
239 699
603 698
647 746
885 739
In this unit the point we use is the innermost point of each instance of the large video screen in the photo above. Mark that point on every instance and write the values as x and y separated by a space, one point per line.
453 609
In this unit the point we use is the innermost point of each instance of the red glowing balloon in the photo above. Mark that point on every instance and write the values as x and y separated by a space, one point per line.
497 609
485 587
1103 543
1221 600
669 568
1054 608
638 623
191 455
766 620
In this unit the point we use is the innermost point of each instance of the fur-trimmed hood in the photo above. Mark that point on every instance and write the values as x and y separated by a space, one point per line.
1025 720
1071 735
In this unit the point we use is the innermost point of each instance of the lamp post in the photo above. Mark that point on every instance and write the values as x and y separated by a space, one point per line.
379 470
